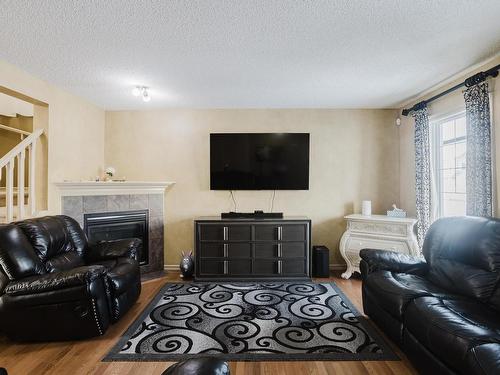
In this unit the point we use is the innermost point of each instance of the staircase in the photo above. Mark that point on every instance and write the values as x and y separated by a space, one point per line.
18 203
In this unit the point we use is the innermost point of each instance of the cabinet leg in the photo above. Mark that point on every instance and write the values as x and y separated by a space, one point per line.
348 273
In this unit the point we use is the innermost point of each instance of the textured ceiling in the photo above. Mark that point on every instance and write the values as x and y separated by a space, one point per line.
248 53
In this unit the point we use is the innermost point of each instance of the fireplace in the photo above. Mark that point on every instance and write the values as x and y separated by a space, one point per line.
119 225
107 210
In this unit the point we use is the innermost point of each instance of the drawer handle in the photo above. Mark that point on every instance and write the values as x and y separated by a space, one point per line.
225 233
280 233
280 251
225 250
280 267
225 267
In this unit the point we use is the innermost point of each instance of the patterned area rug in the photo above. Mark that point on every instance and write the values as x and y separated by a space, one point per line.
251 322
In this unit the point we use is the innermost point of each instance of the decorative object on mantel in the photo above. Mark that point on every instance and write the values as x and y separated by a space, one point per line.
187 265
396 212
109 172
366 208
376 232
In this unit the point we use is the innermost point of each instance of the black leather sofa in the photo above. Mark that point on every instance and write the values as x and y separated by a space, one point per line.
444 310
54 286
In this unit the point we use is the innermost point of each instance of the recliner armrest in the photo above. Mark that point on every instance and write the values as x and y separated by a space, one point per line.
55 281
104 250
376 260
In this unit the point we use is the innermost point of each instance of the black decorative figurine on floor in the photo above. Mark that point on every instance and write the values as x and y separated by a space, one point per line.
187 265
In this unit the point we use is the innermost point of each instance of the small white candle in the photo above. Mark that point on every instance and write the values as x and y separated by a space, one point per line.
366 208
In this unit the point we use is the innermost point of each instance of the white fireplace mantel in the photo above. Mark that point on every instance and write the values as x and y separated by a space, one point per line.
81 188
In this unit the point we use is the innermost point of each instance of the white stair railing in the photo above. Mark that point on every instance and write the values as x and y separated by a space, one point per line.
18 154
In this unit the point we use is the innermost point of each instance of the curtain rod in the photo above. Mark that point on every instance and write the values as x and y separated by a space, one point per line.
471 81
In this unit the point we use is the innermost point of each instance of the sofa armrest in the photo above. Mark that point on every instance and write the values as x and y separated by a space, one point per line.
104 250
55 281
377 260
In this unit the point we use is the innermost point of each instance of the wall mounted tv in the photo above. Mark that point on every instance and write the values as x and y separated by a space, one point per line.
259 161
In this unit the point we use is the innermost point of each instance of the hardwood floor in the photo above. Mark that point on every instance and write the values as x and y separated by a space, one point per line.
84 357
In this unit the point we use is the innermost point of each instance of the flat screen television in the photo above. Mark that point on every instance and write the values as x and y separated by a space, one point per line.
259 161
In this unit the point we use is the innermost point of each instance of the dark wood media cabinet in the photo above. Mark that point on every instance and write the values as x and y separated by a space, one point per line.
243 249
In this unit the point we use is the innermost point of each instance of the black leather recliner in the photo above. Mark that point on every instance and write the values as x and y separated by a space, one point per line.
54 286
444 311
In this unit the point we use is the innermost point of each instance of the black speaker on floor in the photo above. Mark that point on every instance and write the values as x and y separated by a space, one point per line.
320 261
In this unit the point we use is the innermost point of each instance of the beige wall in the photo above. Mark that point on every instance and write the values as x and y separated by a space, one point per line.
354 156
76 130
448 104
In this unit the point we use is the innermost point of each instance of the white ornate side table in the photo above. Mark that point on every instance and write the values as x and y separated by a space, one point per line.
376 232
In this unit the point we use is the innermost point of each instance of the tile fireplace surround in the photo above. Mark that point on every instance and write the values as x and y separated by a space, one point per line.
80 198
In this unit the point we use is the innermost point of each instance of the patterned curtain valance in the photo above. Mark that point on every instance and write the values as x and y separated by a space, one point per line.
479 167
422 172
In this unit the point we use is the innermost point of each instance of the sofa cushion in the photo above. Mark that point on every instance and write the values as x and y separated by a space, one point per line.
450 328
17 257
484 359
463 256
393 291
48 235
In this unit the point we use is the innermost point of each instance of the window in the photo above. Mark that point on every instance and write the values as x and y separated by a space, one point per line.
449 145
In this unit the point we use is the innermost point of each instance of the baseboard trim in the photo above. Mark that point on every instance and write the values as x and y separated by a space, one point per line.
333 267
337 267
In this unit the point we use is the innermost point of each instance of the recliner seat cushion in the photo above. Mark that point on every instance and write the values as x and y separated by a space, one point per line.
449 328
393 291
64 262
17 257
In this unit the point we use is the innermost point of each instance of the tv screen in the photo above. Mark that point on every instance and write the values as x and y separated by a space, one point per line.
259 161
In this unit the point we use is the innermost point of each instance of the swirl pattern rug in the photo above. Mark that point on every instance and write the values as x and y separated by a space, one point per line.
251 322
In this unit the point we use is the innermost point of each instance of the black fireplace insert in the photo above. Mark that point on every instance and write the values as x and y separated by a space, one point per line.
119 225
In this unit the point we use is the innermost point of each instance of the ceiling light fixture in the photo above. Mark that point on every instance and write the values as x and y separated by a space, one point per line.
145 95
142 91
136 91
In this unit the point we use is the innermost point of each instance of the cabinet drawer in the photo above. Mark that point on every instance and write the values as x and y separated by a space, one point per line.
284 232
357 244
288 250
294 232
293 250
240 267
265 267
211 267
293 267
392 229
219 232
266 250
234 250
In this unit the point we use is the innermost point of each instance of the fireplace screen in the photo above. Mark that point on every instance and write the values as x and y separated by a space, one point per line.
119 225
